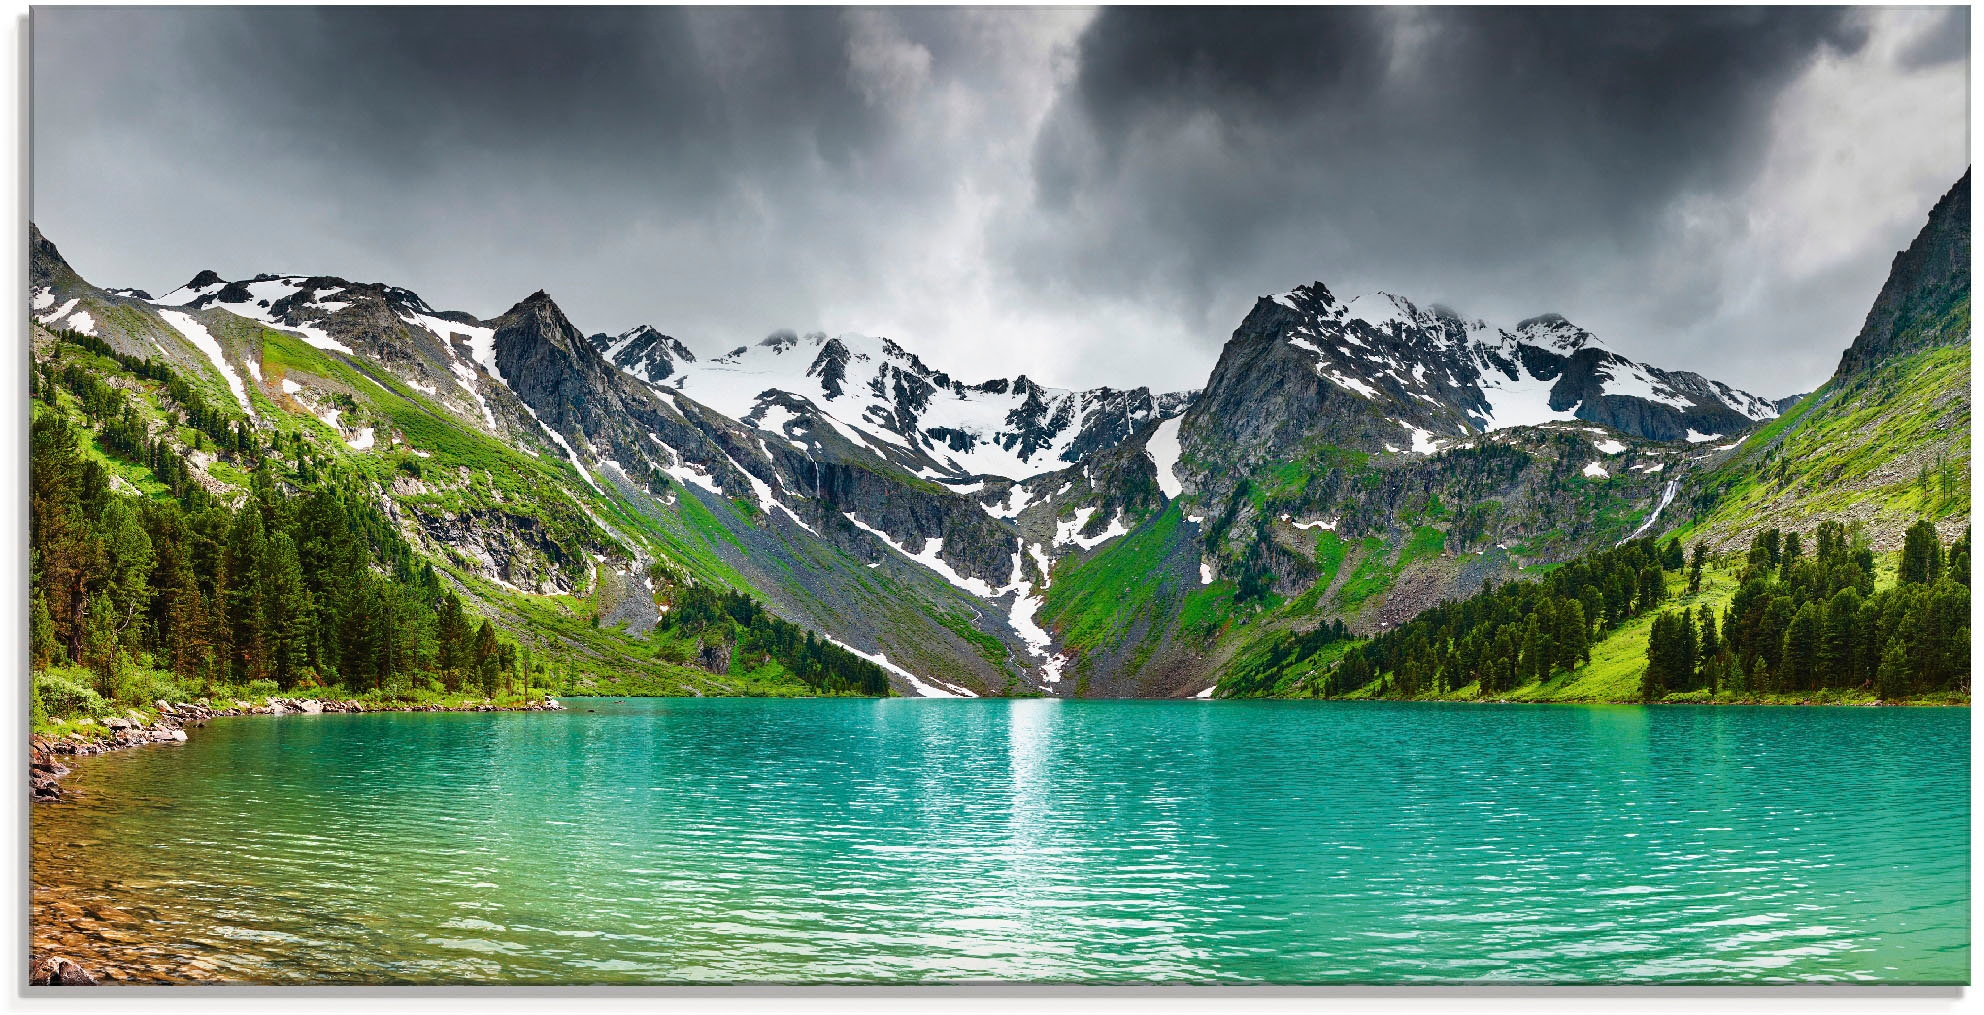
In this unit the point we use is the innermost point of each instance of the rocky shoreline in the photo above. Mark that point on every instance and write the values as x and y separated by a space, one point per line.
136 729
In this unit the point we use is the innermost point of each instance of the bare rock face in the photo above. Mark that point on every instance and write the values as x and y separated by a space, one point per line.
715 657
1925 282
56 971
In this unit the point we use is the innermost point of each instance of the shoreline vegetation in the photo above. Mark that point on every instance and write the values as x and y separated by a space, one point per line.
1649 623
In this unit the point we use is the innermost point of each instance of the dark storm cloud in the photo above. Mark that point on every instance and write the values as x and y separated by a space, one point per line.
1012 187
402 91
635 161
1452 153
1944 43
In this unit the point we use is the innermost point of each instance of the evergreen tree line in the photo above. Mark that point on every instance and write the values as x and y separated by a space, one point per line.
306 589
1504 637
739 627
230 433
1807 622
122 432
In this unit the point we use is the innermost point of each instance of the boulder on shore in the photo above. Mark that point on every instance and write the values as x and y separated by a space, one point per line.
56 971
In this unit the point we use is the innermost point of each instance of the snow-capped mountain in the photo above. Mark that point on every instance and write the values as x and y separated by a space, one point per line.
1449 376
886 503
644 352
877 394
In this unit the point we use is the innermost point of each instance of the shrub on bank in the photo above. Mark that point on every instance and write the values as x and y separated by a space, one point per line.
144 687
65 691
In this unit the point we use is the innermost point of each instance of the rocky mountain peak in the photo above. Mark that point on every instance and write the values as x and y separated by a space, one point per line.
1398 375
1312 298
1553 332
831 367
537 318
1925 285
46 266
644 352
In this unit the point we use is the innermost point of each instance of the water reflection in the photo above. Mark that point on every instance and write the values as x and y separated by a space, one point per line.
893 841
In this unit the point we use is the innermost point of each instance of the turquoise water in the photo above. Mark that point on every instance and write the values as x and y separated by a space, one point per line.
713 840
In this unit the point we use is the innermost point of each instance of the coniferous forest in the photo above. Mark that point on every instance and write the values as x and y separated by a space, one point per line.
302 587
1801 621
1808 620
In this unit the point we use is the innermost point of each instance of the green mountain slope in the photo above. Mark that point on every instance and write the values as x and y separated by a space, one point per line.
1887 439
1349 466
1872 468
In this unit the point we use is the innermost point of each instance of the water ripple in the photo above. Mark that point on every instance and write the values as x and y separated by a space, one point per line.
901 841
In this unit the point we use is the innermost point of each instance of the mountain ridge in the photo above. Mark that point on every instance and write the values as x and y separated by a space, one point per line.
1347 462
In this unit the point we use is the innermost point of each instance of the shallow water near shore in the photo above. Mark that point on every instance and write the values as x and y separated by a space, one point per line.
742 840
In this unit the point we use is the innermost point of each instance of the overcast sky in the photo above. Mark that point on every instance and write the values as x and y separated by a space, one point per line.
1087 197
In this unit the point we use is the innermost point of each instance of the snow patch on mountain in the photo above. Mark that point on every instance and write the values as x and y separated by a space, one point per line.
263 294
1632 380
204 341
1521 400
929 557
1163 450
59 312
1069 531
1429 361
916 684
879 395
559 439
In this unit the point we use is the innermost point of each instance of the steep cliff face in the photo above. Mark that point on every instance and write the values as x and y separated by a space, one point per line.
1886 441
1926 283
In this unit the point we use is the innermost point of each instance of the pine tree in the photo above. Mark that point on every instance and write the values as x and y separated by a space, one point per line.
488 657
1533 650
1801 648
1945 644
287 618
1695 567
1769 639
1652 589
454 650
1921 554
1838 654
99 644
43 648
1831 542
1669 655
246 548
1572 635
1710 648
1896 675
127 565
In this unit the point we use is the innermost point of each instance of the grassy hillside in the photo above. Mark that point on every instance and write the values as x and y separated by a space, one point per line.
1877 451
184 551
1618 660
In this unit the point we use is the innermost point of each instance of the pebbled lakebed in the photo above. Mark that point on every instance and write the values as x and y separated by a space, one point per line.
845 840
